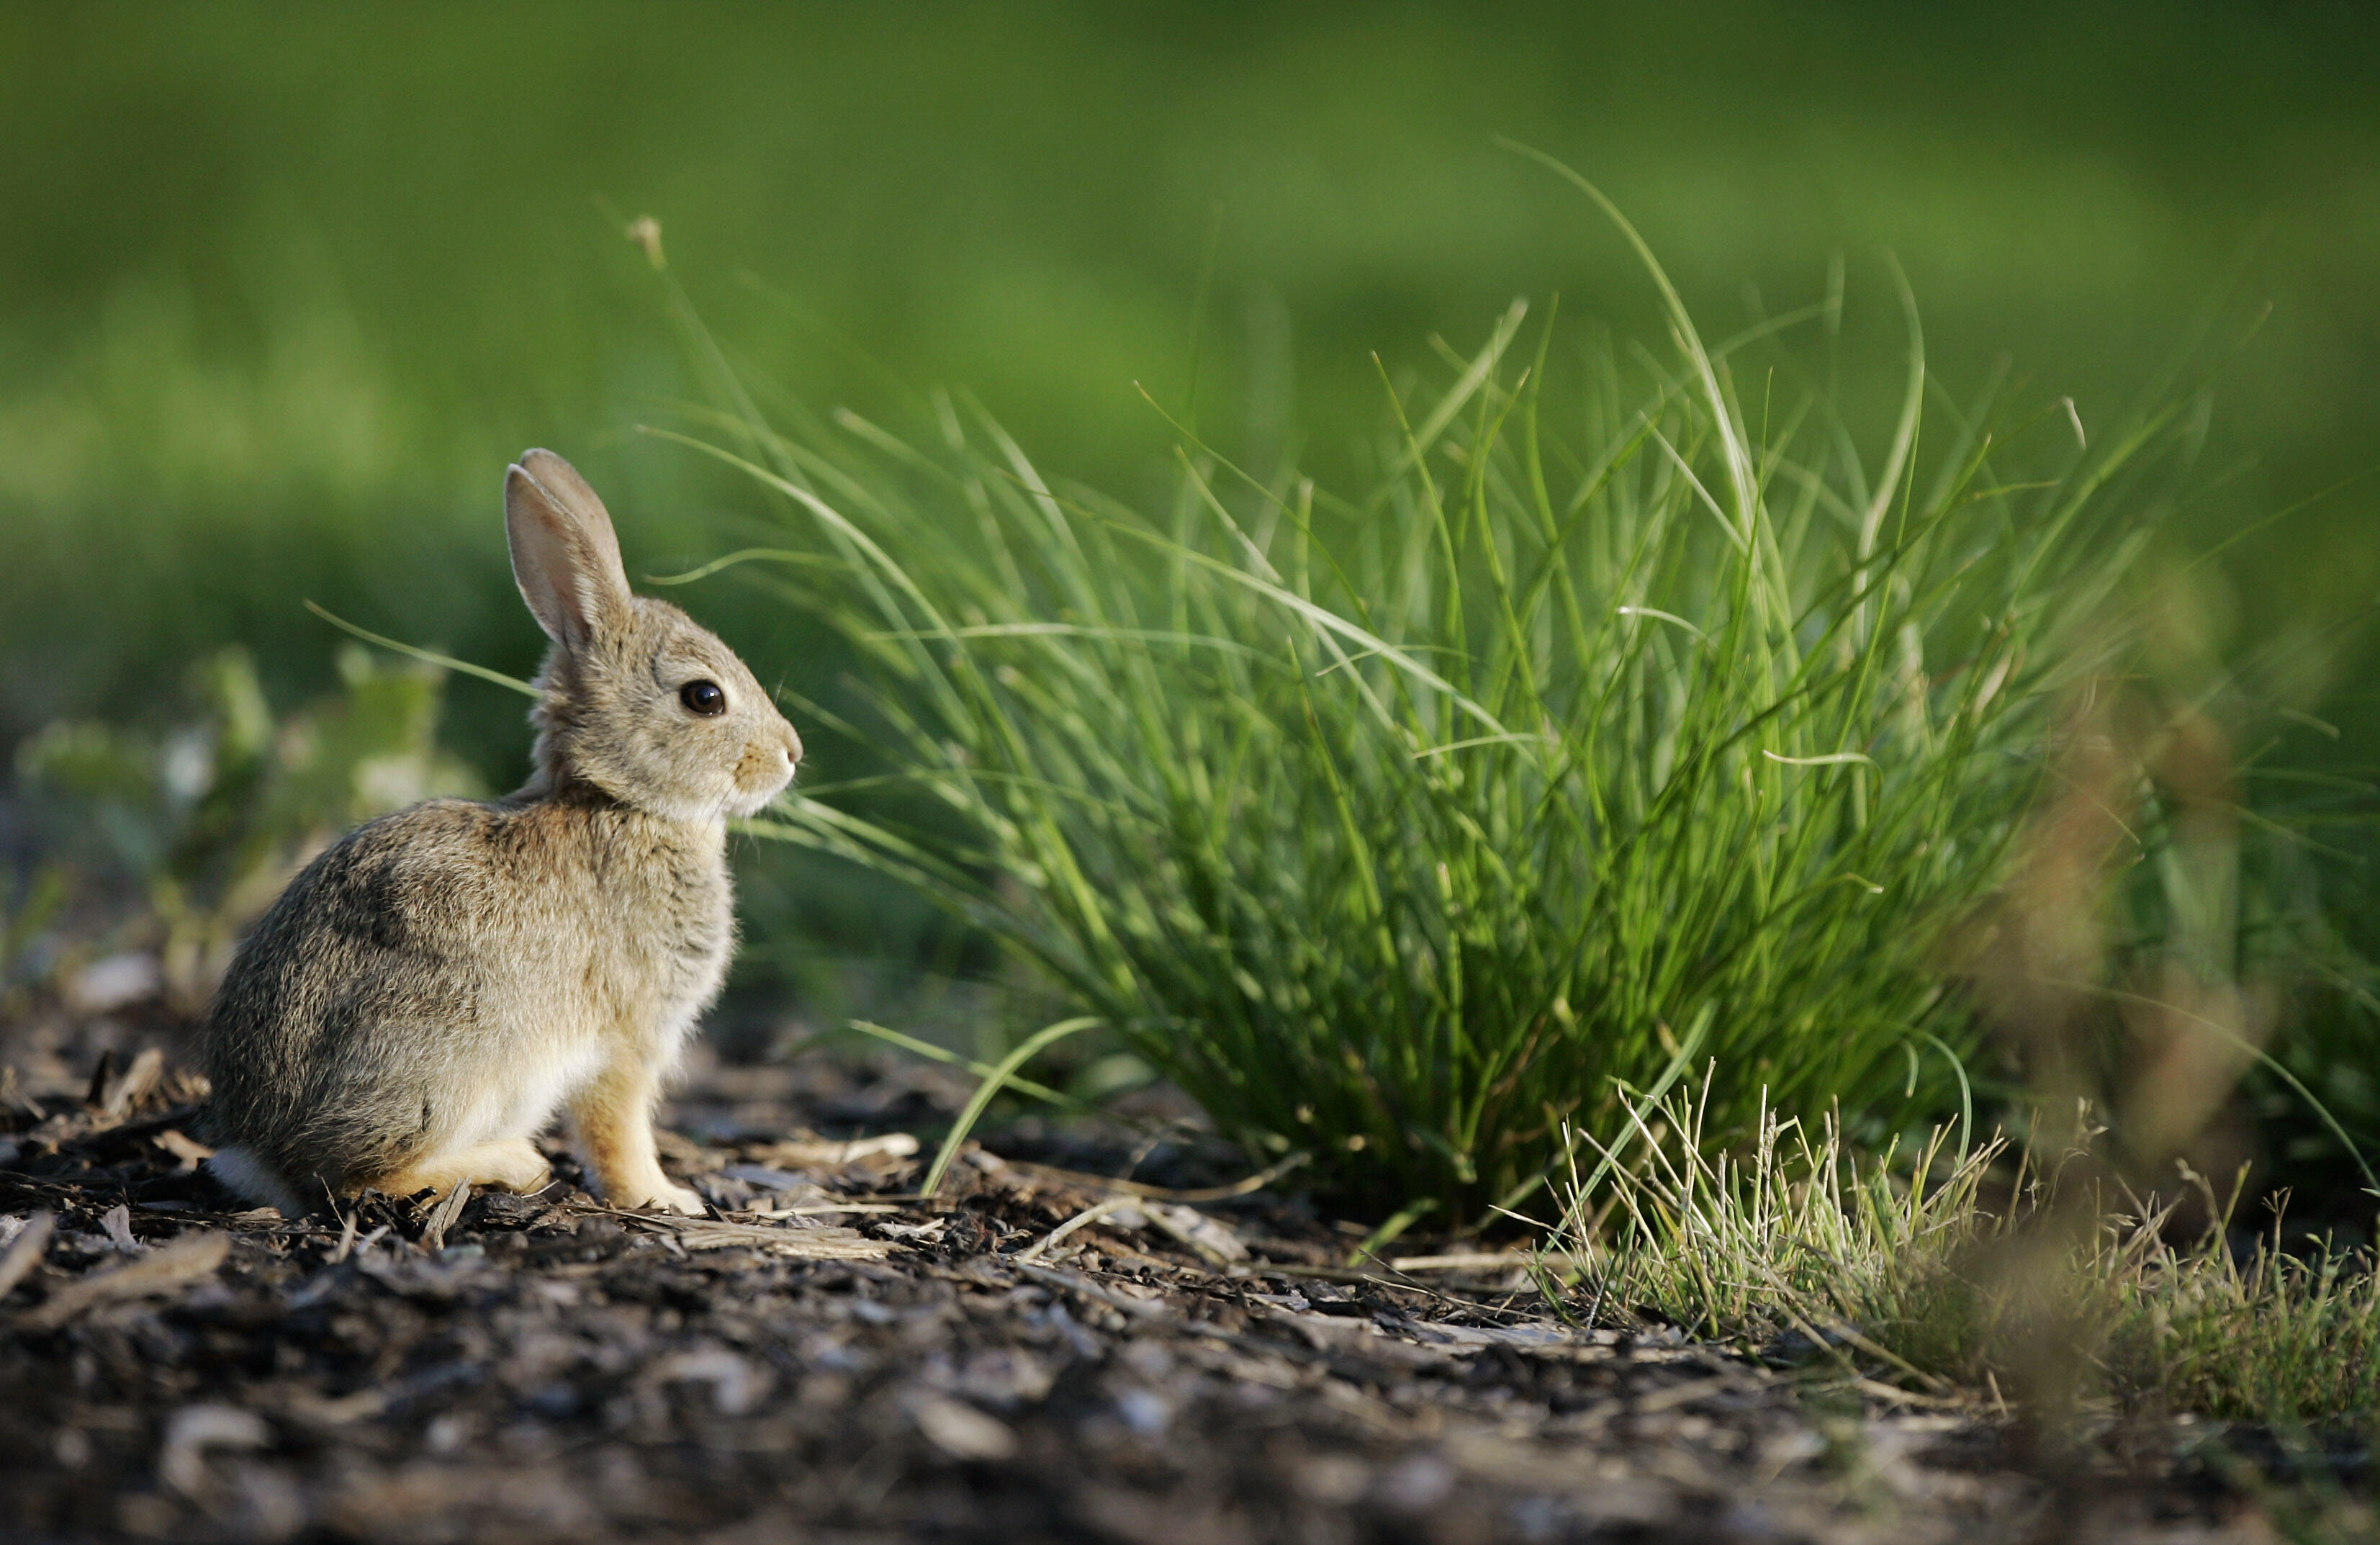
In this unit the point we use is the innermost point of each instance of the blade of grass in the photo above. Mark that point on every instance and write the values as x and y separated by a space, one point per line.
993 1081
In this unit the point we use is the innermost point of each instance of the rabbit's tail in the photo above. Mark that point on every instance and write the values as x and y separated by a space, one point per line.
241 1171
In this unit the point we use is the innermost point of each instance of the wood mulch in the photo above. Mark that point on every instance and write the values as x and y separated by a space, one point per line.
829 1358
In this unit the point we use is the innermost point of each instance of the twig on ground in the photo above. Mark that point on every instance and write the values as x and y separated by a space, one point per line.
443 1216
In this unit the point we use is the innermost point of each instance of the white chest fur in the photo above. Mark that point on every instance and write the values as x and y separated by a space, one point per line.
666 895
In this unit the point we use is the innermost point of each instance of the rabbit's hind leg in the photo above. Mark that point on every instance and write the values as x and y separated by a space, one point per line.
508 1163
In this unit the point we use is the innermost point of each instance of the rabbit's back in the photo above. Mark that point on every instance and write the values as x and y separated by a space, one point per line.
449 973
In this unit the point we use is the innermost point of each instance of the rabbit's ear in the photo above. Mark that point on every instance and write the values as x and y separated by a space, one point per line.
565 557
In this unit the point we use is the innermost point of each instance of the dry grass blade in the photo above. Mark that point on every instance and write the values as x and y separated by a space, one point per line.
1193 1195
195 1430
1075 1282
164 1269
1209 1238
25 1251
1475 1261
128 1088
1086 1217
800 1152
711 1234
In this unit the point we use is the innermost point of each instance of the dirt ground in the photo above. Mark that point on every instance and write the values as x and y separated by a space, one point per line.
829 1358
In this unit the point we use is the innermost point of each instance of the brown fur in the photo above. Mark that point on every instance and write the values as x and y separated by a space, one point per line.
426 994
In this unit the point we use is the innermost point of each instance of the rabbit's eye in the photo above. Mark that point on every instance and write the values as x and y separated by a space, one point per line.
703 698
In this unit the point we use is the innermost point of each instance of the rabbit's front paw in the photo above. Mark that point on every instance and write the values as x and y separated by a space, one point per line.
676 1198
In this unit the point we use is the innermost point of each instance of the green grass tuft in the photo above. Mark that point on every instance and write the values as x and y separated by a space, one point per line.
1616 726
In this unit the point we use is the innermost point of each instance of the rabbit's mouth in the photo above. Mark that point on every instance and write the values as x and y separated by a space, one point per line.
762 774
747 802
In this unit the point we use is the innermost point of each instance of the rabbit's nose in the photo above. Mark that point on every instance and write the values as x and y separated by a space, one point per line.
792 746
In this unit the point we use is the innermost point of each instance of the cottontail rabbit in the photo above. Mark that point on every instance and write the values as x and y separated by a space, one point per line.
424 997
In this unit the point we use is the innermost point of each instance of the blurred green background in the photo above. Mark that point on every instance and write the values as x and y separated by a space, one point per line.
283 288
